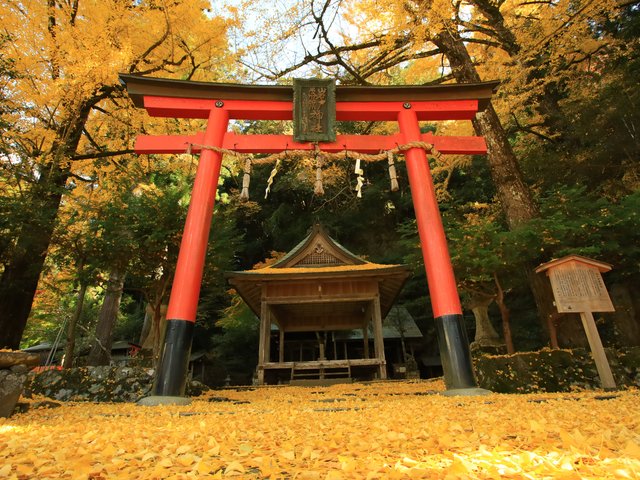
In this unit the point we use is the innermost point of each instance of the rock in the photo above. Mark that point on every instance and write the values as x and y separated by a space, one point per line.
195 388
22 407
46 404
96 388
9 359
63 394
11 385
20 369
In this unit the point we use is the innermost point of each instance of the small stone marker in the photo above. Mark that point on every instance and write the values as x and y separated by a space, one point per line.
577 287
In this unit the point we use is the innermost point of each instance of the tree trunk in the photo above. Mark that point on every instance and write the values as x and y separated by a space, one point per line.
515 196
159 325
504 314
19 279
543 296
548 102
100 353
398 322
570 331
486 335
403 346
626 318
155 316
153 329
146 326
71 328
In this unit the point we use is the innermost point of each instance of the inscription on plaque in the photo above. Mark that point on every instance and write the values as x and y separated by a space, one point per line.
579 288
314 110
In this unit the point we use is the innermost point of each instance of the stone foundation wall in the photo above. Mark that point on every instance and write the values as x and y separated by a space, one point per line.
97 384
14 366
554 370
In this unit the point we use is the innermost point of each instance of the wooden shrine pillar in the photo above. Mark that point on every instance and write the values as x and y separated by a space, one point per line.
265 340
281 349
378 340
365 336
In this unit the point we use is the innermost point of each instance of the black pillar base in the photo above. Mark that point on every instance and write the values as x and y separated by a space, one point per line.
171 377
454 352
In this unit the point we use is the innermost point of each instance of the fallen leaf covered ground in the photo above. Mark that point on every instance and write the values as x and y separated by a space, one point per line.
391 430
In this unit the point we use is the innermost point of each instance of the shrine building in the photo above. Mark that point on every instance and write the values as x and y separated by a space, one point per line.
320 289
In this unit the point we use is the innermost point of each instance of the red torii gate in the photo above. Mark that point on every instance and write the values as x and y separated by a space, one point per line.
219 103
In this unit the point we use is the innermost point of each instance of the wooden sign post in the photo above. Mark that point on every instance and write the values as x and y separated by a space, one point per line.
578 288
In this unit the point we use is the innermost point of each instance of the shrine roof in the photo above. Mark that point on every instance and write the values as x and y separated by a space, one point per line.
601 266
319 255
271 271
317 234
139 86
320 258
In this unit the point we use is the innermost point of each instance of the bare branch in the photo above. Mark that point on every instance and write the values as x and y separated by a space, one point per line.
81 178
102 154
152 47
624 4
334 50
530 129
74 12
480 41
314 58
440 80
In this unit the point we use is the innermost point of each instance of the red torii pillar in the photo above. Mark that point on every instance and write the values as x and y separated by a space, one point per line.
447 311
174 99
183 302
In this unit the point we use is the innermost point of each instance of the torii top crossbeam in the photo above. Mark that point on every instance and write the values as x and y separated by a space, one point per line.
220 103
185 99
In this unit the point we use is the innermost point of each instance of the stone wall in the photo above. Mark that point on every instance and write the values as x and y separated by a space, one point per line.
97 384
13 373
554 370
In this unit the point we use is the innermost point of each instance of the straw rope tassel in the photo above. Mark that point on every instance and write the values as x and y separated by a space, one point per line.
392 172
246 180
273 174
328 156
359 172
318 189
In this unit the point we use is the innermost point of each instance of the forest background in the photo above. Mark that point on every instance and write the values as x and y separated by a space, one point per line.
90 231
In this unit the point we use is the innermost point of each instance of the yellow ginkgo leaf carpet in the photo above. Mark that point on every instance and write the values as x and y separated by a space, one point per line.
391 430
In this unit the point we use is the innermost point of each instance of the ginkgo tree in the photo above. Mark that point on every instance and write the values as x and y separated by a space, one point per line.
537 50
64 107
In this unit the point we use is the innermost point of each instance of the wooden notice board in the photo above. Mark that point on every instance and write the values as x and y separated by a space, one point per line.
579 288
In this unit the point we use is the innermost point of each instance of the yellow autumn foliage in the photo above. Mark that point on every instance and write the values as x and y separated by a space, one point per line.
392 430
391 42
70 52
